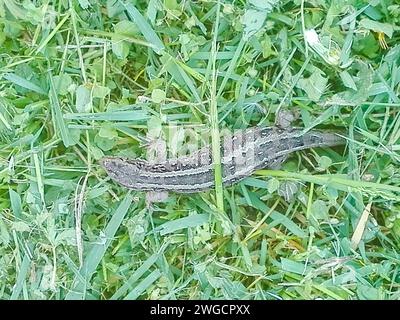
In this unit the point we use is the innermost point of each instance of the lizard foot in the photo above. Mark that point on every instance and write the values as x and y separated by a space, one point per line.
276 164
285 118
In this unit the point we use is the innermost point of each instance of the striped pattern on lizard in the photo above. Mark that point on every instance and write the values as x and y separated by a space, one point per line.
243 152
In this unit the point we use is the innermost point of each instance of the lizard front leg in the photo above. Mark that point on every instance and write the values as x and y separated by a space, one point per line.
156 153
285 118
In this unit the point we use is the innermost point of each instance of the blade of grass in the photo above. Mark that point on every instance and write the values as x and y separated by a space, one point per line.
14 9
328 292
138 273
135 115
262 220
359 230
144 27
96 253
78 46
23 271
143 285
171 65
294 81
59 124
232 64
332 180
110 34
52 34
215 135
253 200
24 83
16 203
303 26
39 178
182 223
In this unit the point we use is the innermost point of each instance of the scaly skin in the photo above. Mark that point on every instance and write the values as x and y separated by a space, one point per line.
242 153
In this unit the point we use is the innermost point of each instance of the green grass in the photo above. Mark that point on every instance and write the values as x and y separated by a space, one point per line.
83 79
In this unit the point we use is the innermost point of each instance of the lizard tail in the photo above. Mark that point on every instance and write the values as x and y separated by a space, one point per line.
319 138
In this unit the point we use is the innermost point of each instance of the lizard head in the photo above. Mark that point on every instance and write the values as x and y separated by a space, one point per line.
123 170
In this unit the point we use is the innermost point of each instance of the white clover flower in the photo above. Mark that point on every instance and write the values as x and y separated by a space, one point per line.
311 37
330 55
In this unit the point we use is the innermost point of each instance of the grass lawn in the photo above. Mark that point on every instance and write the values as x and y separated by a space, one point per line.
84 79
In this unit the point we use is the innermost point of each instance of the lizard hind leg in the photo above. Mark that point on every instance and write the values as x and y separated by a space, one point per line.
156 153
276 163
156 196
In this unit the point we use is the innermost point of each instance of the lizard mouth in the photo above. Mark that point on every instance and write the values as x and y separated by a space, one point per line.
103 162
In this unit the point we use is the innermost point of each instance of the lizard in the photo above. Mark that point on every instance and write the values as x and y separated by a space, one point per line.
243 152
